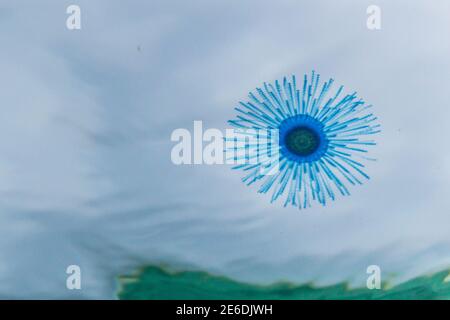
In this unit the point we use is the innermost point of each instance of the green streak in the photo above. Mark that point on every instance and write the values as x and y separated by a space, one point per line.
155 283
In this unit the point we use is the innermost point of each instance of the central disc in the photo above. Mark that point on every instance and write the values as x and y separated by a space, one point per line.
302 141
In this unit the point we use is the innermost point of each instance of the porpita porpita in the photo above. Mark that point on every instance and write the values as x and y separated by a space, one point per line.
322 140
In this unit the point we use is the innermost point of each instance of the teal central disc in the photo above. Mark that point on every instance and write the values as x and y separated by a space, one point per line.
302 141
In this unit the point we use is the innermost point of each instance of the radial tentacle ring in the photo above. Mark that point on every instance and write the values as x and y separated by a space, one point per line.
321 144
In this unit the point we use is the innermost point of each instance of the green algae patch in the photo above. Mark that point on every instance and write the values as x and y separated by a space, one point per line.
157 283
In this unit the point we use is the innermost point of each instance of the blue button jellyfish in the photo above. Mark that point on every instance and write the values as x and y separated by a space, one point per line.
322 141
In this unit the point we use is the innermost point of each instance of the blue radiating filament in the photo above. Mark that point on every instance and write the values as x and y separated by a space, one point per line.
323 139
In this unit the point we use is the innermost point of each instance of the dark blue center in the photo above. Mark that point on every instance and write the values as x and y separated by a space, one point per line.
302 138
302 141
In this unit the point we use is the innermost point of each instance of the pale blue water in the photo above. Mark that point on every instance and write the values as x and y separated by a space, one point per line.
85 123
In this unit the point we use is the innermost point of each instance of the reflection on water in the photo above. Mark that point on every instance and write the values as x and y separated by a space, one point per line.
85 124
